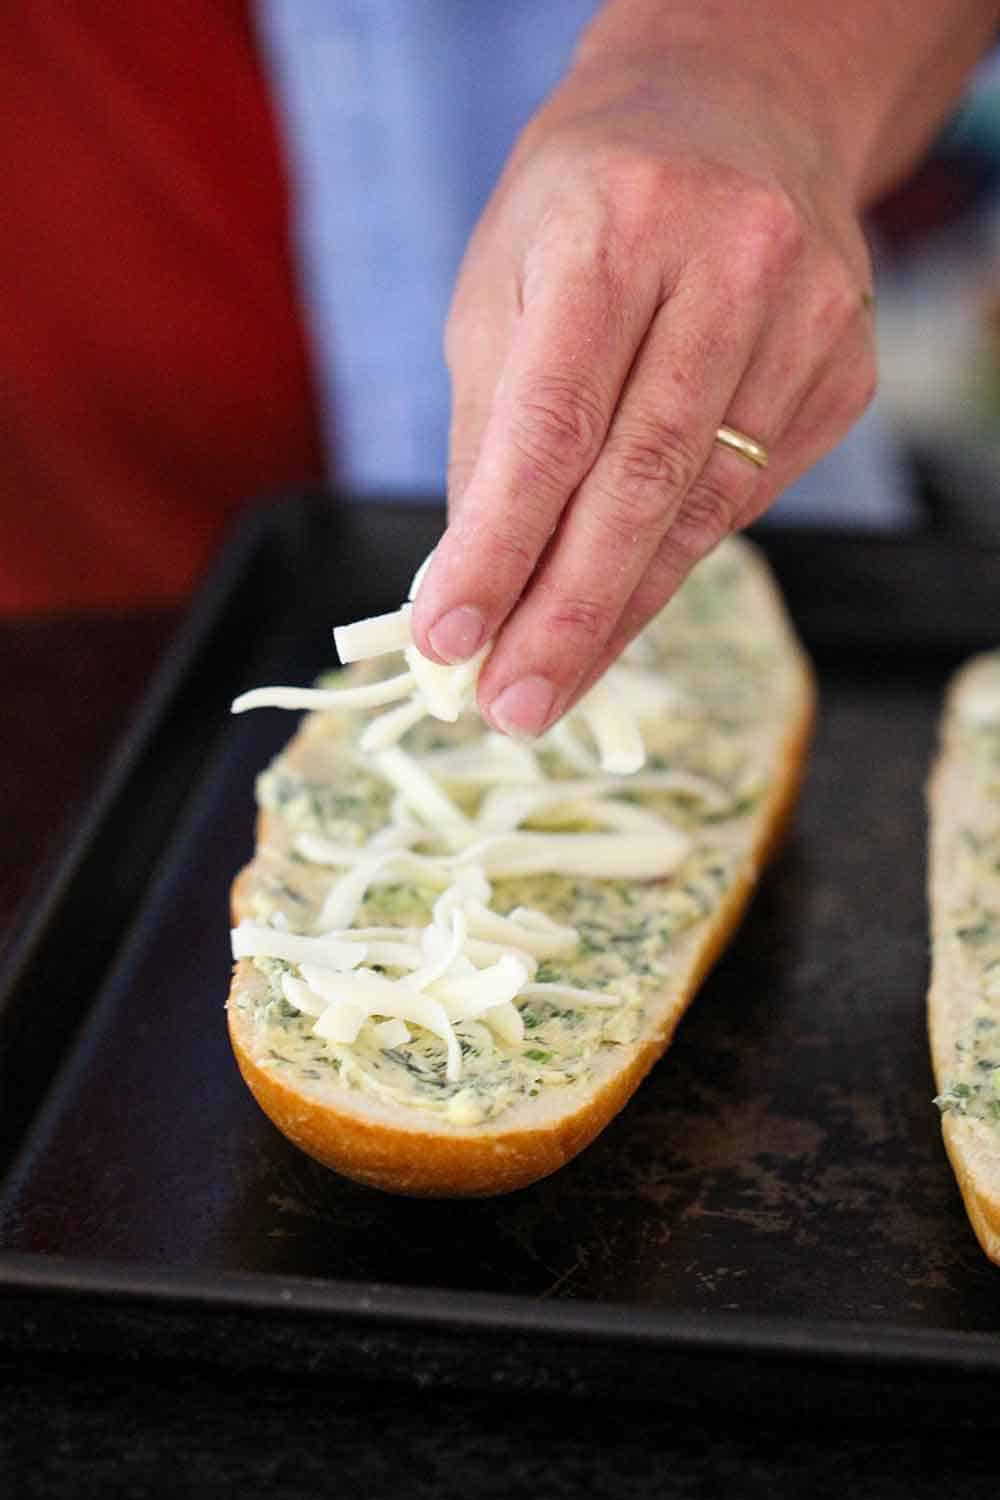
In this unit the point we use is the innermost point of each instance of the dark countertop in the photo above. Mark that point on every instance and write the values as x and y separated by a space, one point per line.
78 1431
72 1427
69 685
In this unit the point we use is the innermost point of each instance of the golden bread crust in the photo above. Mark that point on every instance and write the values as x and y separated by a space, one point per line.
982 1203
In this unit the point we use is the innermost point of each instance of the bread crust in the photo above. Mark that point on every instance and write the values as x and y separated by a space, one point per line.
439 1159
972 1161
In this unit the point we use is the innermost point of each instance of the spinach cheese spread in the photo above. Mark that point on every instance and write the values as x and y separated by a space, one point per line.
453 922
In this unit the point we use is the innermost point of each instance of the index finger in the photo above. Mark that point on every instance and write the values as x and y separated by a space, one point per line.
574 345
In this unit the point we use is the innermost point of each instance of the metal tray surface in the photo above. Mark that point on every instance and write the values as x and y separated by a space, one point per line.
773 1210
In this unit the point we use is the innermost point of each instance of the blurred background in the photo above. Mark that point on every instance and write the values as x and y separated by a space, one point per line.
229 261
937 243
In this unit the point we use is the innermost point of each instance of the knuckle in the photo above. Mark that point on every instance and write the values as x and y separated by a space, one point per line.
633 189
766 234
653 451
513 549
587 621
626 519
630 181
642 469
558 426
778 224
839 305
708 514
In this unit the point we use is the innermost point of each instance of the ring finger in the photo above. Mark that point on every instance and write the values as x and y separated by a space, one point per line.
660 460
822 413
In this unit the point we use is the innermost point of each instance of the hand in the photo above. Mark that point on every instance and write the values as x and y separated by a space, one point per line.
664 254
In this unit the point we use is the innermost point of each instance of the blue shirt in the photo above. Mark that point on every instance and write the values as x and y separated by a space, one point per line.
397 117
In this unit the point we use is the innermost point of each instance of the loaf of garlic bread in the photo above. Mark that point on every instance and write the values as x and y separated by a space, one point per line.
457 955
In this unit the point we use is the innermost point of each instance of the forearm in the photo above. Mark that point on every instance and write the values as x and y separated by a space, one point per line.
871 80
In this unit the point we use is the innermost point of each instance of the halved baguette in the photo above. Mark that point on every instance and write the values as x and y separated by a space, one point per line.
730 618
964 899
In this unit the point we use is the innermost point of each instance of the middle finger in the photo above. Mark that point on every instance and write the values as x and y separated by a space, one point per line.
659 441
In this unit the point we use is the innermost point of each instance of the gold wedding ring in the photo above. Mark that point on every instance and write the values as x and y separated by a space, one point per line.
747 447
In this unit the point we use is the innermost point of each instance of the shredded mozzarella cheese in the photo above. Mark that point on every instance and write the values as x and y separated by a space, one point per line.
254 940
370 695
614 727
421 793
469 964
376 636
604 856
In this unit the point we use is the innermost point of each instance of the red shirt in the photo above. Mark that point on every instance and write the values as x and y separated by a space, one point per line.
155 374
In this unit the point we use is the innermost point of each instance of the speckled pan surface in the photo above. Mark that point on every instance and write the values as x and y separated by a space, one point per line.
783 1162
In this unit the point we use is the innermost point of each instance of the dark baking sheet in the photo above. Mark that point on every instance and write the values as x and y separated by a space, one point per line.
773 1212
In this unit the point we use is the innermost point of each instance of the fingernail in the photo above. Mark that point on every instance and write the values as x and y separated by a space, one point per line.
524 707
458 634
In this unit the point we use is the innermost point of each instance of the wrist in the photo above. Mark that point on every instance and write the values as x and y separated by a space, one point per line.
788 87
861 88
